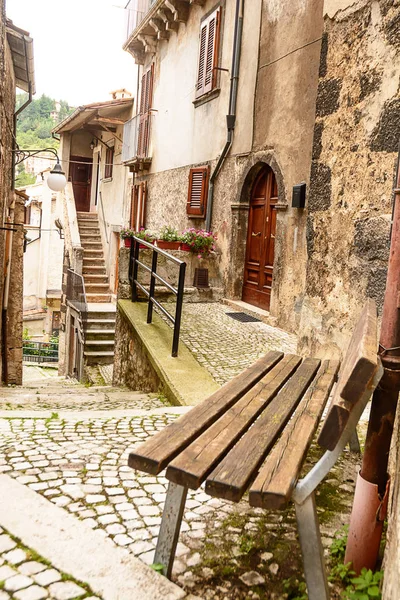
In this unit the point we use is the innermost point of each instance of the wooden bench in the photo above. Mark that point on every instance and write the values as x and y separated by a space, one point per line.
254 433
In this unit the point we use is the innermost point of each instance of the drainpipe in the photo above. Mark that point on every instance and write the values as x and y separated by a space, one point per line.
370 500
231 117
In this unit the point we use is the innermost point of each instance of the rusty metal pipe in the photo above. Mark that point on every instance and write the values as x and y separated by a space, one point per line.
364 541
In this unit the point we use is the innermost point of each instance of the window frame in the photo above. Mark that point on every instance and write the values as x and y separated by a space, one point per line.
109 162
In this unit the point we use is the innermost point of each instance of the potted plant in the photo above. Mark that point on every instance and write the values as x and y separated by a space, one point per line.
127 235
198 241
145 235
168 238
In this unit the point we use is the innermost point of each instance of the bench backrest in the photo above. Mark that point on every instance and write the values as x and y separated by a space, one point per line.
358 368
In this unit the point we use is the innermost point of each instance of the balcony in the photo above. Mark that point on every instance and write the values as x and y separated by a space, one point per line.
151 20
136 10
133 156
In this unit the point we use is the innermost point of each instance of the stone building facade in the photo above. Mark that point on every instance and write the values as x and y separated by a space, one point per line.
356 140
278 80
15 44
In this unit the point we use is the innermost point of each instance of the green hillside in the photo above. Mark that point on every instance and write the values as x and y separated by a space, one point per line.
34 128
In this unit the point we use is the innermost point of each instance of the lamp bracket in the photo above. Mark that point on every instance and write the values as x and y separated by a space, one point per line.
21 155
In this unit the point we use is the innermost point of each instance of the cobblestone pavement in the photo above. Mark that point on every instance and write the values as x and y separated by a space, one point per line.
81 466
24 575
224 346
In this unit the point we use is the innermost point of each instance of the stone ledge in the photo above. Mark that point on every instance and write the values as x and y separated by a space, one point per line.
74 548
144 355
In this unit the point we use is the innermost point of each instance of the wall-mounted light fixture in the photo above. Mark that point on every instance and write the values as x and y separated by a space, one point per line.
93 144
56 179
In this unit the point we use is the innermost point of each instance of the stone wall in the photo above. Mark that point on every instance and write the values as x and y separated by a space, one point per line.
132 367
7 100
356 138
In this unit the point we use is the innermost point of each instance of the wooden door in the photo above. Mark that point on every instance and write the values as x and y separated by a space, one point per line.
260 247
80 174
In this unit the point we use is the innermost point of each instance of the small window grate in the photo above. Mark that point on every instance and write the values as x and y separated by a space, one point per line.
201 278
243 317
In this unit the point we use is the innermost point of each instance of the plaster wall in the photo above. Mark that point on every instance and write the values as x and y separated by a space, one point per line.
183 134
355 146
43 258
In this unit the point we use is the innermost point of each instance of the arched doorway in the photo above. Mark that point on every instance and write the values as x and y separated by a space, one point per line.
259 261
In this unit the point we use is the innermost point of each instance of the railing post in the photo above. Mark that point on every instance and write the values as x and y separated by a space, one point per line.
178 313
152 286
134 258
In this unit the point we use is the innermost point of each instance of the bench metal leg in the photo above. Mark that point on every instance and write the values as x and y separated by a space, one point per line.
354 443
170 527
311 548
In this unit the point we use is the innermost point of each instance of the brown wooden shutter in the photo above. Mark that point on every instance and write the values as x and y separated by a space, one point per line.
138 206
198 192
146 98
208 53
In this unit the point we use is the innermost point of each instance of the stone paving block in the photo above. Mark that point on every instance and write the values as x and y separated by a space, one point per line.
15 557
17 582
66 590
31 568
6 572
34 592
47 577
6 543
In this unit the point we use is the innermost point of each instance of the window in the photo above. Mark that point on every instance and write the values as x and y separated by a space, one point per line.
108 168
138 206
208 55
27 215
198 192
146 99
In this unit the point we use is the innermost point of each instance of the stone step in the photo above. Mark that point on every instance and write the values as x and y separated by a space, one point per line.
94 269
95 278
89 253
86 230
103 323
92 243
86 215
98 298
102 334
97 290
98 358
92 261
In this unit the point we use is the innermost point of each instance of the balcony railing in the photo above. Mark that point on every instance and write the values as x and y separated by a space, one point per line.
131 134
136 10
39 352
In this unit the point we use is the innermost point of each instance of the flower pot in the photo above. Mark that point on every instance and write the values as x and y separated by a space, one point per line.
185 247
127 242
145 247
168 245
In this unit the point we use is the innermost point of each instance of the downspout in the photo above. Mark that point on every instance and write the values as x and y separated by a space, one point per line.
231 116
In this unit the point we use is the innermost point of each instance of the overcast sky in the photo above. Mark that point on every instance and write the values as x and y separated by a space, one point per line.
77 46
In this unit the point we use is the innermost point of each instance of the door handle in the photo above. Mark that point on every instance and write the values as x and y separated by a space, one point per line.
272 237
255 234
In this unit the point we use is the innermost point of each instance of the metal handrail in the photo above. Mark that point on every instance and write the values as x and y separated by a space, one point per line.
76 296
135 263
39 352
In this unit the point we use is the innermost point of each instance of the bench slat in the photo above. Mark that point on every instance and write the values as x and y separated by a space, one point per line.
154 455
358 368
193 465
232 476
276 480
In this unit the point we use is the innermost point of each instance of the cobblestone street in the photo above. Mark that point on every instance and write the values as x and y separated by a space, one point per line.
224 346
78 462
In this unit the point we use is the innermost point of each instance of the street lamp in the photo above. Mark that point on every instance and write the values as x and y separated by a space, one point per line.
56 179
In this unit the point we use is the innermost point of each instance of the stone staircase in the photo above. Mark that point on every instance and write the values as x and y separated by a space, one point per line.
100 329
